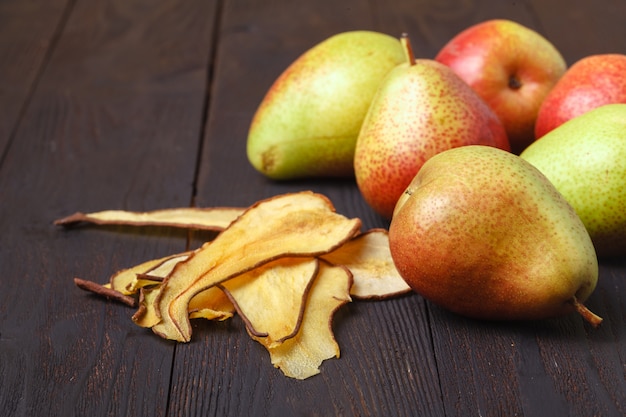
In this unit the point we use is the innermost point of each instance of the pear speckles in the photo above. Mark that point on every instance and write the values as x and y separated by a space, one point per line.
585 159
418 111
312 114
485 234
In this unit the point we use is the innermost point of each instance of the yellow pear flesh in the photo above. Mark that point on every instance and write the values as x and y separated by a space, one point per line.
308 122
483 233
585 159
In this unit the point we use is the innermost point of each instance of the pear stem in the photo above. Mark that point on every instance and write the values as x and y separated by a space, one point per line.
408 49
587 314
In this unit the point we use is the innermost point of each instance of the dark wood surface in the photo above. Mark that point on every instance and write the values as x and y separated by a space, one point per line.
142 105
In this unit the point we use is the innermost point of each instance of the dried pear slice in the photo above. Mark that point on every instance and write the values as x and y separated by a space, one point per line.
163 269
271 298
211 304
296 224
301 356
126 280
146 315
368 257
212 218
157 273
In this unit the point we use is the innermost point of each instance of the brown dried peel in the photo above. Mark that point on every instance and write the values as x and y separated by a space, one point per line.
105 291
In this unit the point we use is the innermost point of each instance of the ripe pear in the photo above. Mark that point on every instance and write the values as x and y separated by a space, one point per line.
484 234
421 108
511 66
591 82
308 122
585 158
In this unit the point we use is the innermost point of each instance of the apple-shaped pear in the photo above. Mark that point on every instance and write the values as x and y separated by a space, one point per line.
308 122
585 159
511 66
421 108
483 233
591 82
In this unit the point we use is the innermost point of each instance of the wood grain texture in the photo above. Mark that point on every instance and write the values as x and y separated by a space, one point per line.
145 104
114 122
28 30
582 27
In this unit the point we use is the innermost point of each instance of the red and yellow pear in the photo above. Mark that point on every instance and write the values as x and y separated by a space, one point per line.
589 83
421 108
483 233
509 65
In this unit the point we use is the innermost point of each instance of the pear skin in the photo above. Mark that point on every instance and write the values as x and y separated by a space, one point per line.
591 82
309 120
421 108
585 159
511 66
481 232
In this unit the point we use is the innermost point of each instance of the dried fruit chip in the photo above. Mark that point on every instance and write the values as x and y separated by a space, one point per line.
211 304
297 224
300 357
271 298
214 218
286 264
146 316
163 269
368 257
127 281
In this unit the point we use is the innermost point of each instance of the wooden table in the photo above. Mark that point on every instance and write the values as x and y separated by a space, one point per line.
141 105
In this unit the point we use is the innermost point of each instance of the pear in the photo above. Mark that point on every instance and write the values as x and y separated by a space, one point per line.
585 159
308 122
484 234
591 82
421 108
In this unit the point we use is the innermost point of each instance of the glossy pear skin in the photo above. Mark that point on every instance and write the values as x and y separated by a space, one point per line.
585 158
484 234
591 82
419 111
308 122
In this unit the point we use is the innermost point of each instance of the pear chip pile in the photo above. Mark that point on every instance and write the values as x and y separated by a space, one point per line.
284 265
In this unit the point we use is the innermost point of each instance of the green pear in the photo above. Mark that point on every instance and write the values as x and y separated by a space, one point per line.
585 158
485 234
421 108
308 122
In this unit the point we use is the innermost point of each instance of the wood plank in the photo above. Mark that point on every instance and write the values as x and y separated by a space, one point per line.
27 32
583 27
114 123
